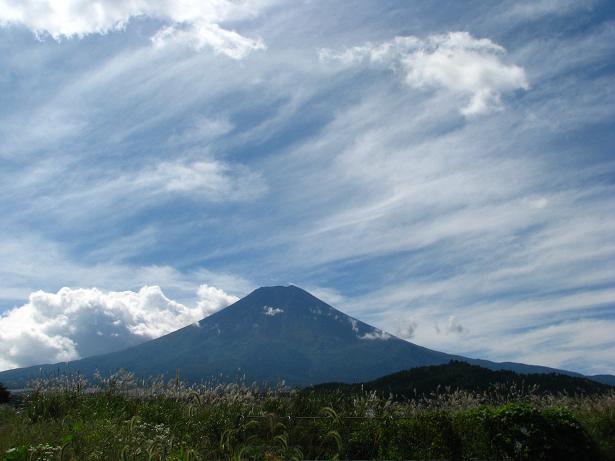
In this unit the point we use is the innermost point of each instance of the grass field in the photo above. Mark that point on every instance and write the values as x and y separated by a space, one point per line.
122 419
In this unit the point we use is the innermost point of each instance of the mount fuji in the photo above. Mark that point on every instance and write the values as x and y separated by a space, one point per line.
274 333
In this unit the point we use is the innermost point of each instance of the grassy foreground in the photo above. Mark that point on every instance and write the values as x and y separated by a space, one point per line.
120 419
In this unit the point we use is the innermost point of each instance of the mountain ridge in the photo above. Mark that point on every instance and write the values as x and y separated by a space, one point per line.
416 383
272 334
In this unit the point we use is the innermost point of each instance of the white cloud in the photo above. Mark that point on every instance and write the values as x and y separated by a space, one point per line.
453 325
203 130
376 335
406 330
193 22
456 61
113 195
272 311
74 323
222 41
212 299
536 9
205 180
210 179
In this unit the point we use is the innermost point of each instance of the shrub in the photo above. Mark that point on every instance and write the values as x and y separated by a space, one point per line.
523 432
5 395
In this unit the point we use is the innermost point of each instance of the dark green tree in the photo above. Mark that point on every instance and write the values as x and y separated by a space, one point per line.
4 394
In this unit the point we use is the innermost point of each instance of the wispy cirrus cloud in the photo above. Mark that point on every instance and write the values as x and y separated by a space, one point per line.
116 195
198 36
534 10
129 165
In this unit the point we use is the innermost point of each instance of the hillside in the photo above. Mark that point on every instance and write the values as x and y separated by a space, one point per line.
458 375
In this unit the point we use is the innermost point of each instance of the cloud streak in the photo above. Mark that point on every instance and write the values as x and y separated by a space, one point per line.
436 174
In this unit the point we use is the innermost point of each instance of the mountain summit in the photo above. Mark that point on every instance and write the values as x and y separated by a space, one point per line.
274 333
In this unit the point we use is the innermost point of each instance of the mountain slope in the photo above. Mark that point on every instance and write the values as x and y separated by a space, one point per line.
457 375
273 333
604 379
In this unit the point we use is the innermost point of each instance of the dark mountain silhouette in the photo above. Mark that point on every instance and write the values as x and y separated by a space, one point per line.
457 375
604 379
274 333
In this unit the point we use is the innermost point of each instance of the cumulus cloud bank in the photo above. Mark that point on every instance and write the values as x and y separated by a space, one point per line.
455 61
192 22
74 323
211 300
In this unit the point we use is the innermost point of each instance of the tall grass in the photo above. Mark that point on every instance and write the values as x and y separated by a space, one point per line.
120 417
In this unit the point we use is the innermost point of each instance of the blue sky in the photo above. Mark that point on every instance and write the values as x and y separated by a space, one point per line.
443 171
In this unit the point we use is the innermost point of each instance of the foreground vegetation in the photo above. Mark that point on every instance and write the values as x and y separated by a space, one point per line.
122 419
